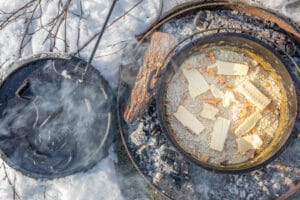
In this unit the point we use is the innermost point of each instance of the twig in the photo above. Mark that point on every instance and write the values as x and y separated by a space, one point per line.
37 114
23 87
107 27
6 177
78 27
45 121
27 28
15 14
65 38
161 10
14 188
290 192
55 24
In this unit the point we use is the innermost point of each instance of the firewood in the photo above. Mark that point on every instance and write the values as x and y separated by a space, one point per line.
160 46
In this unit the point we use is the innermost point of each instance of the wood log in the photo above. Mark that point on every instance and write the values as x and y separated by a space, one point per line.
160 46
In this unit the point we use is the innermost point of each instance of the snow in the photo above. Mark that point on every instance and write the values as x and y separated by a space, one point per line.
79 30
93 184
290 8
101 182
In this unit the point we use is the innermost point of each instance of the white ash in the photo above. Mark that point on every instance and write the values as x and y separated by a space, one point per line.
138 137
207 184
206 19
157 159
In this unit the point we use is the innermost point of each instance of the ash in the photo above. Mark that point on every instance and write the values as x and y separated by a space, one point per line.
176 177
171 173
203 20
158 159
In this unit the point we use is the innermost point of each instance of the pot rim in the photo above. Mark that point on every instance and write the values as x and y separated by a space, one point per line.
160 107
15 66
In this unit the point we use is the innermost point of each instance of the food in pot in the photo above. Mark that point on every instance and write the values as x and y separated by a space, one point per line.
224 105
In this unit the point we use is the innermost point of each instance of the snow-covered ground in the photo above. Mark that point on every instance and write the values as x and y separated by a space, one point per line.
83 20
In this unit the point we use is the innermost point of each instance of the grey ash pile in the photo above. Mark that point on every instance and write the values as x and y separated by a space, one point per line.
157 158
173 175
235 22
170 172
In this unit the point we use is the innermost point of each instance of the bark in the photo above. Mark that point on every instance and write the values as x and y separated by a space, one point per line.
160 46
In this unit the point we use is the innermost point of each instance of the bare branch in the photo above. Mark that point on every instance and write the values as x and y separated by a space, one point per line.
12 16
55 25
108 26
79 24
12 184
22 45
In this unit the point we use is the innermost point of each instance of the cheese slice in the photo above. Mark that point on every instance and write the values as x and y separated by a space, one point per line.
249 142
253 95
212 66
229 68
188 120
228 99
197 83
248 124
209 111
219 133
216 92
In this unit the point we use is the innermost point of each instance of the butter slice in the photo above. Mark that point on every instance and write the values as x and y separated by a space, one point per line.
197 83
216 92
219 133
249 142
209 111
254 95
229 98
212 66
229 68
188 120
248 124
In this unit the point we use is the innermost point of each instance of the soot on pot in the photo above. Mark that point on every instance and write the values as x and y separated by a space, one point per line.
54 121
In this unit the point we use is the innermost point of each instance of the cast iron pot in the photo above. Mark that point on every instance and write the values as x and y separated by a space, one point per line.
243 42
45 144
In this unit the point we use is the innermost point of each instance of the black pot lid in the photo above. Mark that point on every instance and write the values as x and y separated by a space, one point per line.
55 117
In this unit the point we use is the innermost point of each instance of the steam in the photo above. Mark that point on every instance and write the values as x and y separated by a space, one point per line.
58 124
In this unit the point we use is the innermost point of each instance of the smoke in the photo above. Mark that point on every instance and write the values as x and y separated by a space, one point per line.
58 122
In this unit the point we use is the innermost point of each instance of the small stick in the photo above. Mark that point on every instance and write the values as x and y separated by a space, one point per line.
6 177
45 121
37 114
290 192
25 85
114 21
